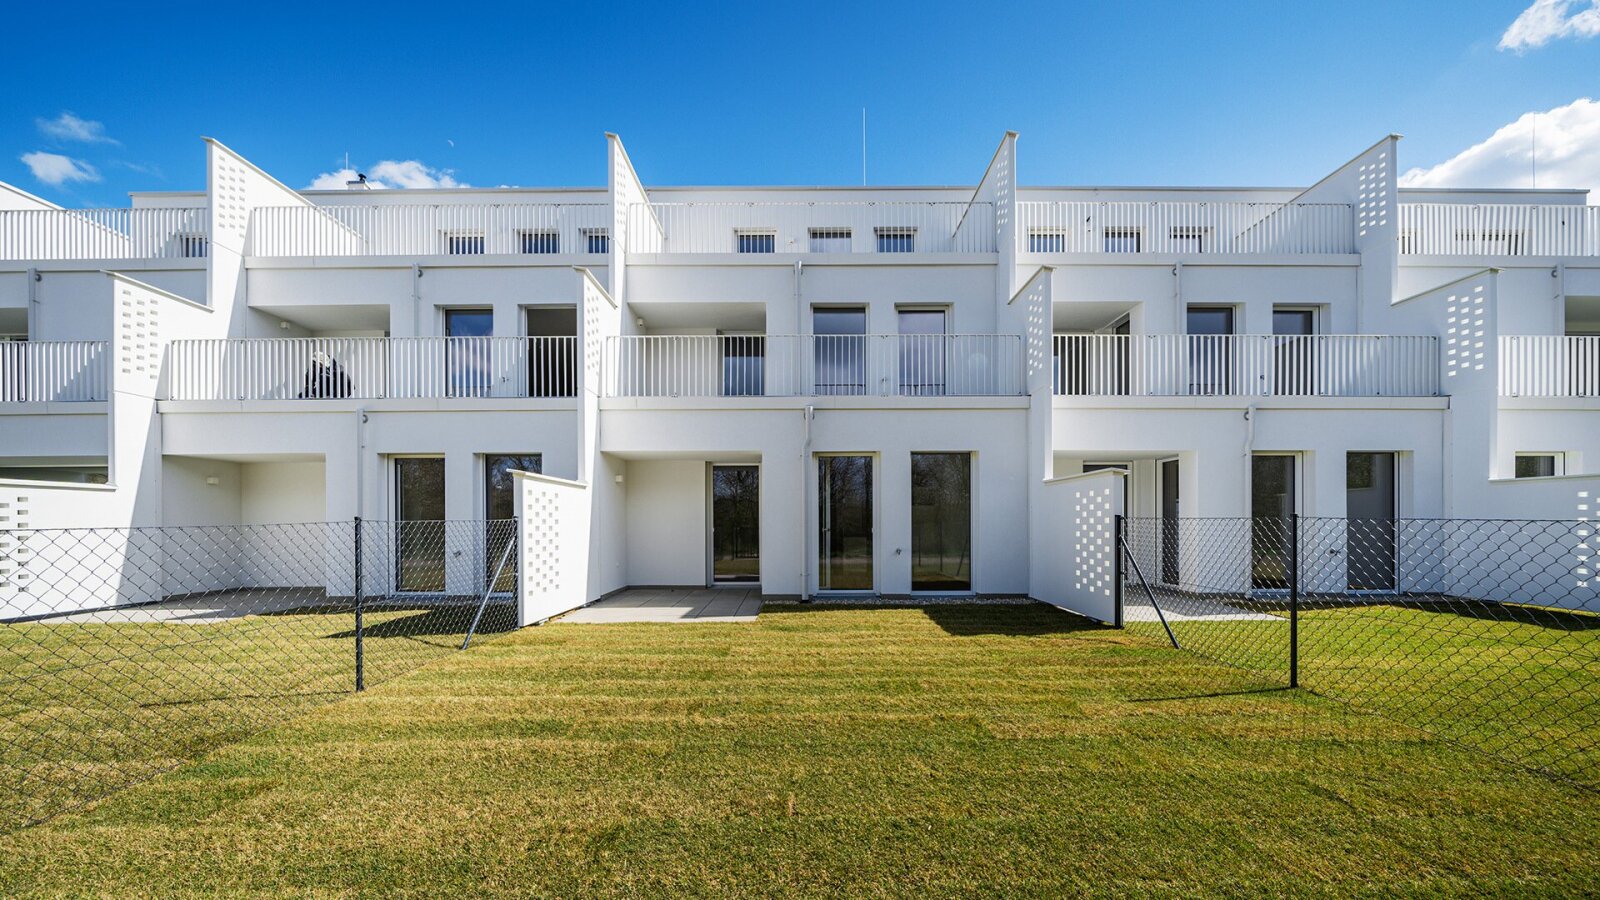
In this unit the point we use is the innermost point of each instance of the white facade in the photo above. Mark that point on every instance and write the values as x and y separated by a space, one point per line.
634 339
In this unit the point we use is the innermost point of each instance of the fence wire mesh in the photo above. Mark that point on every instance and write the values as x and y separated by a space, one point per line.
125 652
1484 632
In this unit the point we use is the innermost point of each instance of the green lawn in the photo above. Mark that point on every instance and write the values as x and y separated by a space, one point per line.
826 750
1520 682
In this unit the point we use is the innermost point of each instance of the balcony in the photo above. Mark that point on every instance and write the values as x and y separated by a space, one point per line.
68 234
430 230
1139 227
1499 229
54 371
373 368
1549 365
876 365
813 228
1245 365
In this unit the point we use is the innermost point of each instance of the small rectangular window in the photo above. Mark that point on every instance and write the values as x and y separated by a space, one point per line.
192 246
1124 240
830 240
542 241
1188 239
596 240
1497 243
897 240
755 241
1047 240
1539 465
463 244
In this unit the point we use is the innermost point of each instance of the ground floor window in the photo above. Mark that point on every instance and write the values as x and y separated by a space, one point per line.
419 551
499 506
735 524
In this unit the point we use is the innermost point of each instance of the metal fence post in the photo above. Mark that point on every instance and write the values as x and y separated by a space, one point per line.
360 629
1294 600
1116 570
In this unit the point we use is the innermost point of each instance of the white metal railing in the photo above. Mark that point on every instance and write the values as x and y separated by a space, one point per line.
1549 365
142 233
811 227
434 229
1183 227
914 365
1324 365
1499 229
373 368
51 371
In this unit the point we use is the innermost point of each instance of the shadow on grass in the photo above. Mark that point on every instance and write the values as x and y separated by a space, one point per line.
433 621
1242 692
1032 620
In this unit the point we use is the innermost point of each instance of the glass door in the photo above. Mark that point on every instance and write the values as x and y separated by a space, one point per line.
500 512
466 365
1294 363
841 350
419 551
735 524
552 351
1370 521
1272 501
922 352
941 522
844 497
1210 350
744 364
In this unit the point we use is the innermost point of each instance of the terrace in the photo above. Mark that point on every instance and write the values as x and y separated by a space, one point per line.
123 234
1499 229
438 229
1174 227
823 229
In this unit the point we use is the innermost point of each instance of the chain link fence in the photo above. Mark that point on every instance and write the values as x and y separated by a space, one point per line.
1484 632
126 651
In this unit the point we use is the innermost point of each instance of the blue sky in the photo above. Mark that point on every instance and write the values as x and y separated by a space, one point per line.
1119 93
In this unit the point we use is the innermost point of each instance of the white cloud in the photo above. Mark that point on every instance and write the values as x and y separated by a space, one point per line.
1568 145
390 173
55 169
1547 20
68 127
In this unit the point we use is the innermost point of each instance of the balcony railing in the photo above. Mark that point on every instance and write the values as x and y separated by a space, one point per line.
373 368
1499 229
54 371
436 229
816 228
142 233
1183 227
1257 365
922 365
1549 365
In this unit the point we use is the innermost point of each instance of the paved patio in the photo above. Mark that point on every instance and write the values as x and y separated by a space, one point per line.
721 604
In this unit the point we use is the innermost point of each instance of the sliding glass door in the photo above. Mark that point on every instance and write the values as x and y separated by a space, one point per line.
844 500
1272 502
1370 521
735 524
419 551
941 522
500 511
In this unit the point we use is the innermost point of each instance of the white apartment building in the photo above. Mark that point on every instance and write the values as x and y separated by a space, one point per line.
883 390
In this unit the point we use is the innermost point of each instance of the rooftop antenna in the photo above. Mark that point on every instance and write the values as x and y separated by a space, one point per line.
863 146
347 160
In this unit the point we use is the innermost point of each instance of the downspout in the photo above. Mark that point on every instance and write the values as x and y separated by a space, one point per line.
416 300
810 509
361 455
33 303
799 315
1177 296
1249 446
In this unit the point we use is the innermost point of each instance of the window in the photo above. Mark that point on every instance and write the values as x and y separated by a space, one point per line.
896 240
544 241
1540 465
1188 239
830 240
755 241
192 246
596 240
1210 350
1500 243
463 244
744 360
1047 240
941 522
839 364
1123 240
